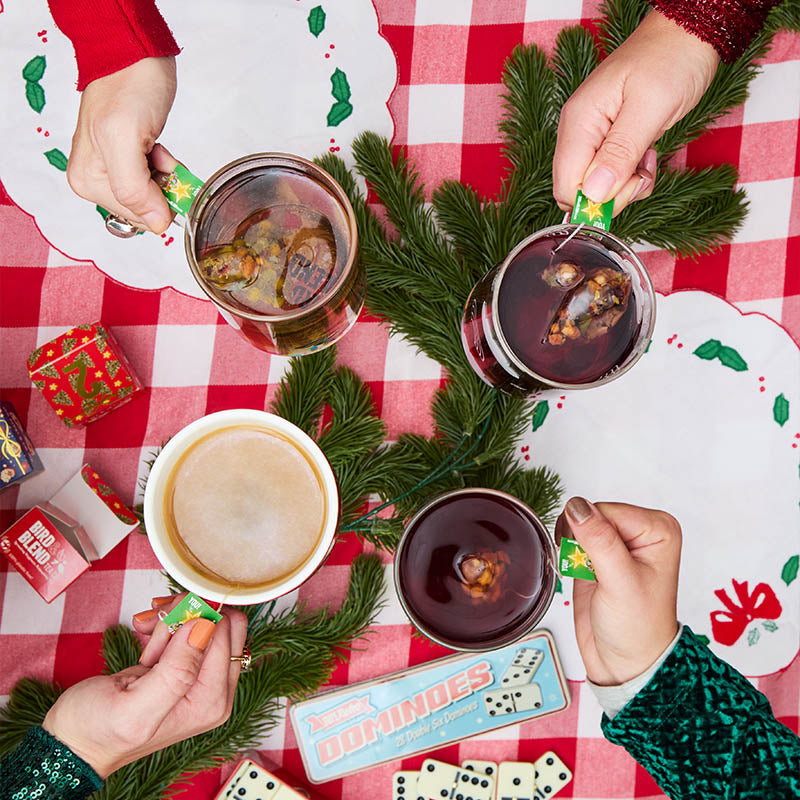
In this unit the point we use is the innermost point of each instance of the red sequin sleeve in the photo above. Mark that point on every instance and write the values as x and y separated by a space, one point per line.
728 25
109 35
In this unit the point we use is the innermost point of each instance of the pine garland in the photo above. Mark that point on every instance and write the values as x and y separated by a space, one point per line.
418 281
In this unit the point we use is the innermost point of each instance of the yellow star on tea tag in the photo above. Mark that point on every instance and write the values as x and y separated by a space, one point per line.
578 558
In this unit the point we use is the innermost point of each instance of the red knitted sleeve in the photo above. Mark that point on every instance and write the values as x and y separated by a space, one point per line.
109 35
728 25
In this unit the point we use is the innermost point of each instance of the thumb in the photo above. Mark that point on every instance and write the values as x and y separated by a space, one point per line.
601 540
156 693
636 127
131 183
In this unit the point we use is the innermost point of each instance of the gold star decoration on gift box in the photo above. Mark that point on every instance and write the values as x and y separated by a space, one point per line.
84 340
98 373
50 352
579 559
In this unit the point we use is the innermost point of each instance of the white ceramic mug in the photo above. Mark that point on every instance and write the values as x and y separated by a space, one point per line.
154 506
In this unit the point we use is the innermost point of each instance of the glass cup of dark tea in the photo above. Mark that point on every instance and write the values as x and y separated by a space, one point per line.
475 569
570 307
271 239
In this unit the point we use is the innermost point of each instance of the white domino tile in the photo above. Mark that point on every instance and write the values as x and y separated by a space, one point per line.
23 611
435 113
183 355
404 362
774 94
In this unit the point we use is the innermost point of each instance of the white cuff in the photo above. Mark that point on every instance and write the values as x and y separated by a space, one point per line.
614 698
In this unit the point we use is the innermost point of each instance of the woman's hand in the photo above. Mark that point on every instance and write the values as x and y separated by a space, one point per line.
183 688
625 620
120 118
610 123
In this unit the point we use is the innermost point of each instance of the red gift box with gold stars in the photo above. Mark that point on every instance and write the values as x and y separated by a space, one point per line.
83 374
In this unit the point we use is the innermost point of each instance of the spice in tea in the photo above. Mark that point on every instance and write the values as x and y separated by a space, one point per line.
230 266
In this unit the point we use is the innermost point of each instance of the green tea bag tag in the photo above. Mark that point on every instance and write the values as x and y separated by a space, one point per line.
180 187
573 562
189 608
590 213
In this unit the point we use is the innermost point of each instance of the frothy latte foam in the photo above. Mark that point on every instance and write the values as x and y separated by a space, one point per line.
246 506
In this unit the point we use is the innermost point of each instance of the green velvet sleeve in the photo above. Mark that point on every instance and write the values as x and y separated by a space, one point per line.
43 768
702 731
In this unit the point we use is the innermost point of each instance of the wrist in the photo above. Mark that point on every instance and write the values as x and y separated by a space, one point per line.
100 762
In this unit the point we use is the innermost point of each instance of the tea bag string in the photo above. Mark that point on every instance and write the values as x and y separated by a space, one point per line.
453 462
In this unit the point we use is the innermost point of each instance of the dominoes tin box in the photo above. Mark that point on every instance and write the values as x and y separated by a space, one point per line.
346 730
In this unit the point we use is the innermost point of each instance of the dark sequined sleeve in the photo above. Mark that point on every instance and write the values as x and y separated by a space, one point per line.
728 25
702 731
43 768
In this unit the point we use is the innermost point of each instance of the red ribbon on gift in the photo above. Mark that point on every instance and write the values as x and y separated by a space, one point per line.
728 626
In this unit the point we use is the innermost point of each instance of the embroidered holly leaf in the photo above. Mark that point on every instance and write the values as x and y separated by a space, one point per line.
84 326
780 410
703 638
67 421
769 625
708 350
559 588
35 96
49 371
730 358
57 159
124 391
104 489
340 88
753 636
39 385
789 571
61 398
339 112
540 414
123 517
112 367
67 345
34 69
316 20
89 405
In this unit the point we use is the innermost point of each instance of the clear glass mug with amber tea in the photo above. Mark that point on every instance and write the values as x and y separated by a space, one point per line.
570 307
271 239
241 506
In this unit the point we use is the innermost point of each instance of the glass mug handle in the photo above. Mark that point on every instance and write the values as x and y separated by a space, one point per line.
179 188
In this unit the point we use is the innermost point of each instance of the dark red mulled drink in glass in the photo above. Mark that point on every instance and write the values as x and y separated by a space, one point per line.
570 307
475 569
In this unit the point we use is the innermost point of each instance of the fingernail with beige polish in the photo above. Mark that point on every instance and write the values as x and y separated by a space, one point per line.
643 185
163 601
144 616
578 510
201 633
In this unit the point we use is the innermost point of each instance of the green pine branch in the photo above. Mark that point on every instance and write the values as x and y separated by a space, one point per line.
29 702
121 649
618 20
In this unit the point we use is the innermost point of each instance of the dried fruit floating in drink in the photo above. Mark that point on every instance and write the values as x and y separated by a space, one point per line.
230 266
593 306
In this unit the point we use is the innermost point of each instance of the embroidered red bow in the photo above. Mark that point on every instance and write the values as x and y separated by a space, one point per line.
728 626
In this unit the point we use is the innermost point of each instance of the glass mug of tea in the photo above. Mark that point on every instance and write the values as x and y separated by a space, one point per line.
271 239
241 506
475 569
570 307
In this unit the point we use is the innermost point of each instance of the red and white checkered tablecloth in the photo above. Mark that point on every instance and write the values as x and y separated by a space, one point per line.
445 106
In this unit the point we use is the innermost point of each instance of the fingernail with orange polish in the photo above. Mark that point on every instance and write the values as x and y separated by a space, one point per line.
145 616
163 601
201 633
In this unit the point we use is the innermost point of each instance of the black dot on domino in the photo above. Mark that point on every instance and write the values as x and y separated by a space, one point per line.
548 789
401 790
509 709
537 773
465 778
562 776
476 781
431 767
499 705
242 792
550 761
536 704
492 713
505 697
444 792
517 694
253 774
516 781
489 770
401 779
484 783
459 797
270 784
